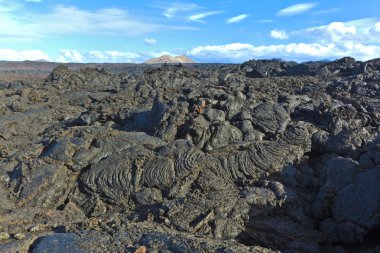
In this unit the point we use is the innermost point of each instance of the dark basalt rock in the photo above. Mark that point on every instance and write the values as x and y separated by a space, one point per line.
270 118
40 184
187 160
112 178
59 243
265 68
266 156
3 85
159 172
351 206
86 119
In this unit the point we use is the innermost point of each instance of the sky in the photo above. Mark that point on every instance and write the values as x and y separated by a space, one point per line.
206 31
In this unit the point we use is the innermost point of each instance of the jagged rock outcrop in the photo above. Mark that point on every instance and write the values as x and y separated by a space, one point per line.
266 156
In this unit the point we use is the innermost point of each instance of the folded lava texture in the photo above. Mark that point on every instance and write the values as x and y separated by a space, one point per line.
266 156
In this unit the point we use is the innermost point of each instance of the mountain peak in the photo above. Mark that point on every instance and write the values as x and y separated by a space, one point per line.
170 59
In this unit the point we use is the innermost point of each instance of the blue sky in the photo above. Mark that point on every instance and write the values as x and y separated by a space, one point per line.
207 31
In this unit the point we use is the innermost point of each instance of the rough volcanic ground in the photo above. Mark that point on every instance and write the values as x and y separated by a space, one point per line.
266 156
34 70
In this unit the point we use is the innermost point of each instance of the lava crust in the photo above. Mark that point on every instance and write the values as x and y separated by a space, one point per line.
266 156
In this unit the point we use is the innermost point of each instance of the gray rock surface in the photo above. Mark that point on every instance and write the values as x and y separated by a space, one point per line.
266 156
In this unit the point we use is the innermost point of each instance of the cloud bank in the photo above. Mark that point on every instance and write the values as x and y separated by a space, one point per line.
356 38
22 55
239 52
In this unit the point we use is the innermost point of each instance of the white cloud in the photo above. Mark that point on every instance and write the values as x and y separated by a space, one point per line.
278 34
9 6
111 21
172 10
72 55
111 56
357 38
96 56
13 27
35 1
239 52
19 26
262 21
69 55
198 17
327 11
234 52
236 19
150 41
363 31
377 27
296 9
337 30
14 55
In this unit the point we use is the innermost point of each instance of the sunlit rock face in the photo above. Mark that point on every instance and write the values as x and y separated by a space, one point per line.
267 156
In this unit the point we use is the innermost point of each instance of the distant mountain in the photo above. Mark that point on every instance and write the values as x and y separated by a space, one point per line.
276 59
170 59
40 60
